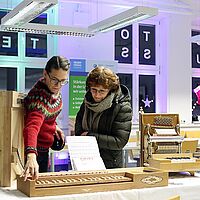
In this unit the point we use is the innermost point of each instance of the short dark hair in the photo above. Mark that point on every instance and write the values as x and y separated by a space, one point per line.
57 62
103 76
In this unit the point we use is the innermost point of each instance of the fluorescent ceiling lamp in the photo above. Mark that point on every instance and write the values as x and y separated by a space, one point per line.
26 11
125 18
16 21
48 29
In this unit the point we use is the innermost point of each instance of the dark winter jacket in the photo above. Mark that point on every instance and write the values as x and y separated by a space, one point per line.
113 129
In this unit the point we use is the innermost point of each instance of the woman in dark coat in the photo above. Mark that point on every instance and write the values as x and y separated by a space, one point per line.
106 113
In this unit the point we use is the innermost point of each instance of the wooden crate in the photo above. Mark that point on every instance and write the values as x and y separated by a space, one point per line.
50 184
11 137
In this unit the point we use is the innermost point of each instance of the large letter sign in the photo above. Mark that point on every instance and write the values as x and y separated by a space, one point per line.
123 45
195 52
8 44
36 45
147 45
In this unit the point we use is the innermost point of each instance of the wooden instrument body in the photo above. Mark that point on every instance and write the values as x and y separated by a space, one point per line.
50 184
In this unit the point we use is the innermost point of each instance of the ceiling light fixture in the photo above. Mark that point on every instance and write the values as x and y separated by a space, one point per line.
49 29
17 20
125 18
26 11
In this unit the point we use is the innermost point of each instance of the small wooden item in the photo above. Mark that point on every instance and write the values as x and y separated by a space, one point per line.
183 162
50 184
11 137
177 197
189 145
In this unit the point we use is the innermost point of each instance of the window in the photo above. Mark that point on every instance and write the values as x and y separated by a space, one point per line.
126 79
31 77
147 93
195 52
195 79
8 40
8 78
195 98
36 44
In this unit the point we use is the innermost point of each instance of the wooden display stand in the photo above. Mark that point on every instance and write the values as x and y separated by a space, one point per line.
50 184
154 120
11 137
161 144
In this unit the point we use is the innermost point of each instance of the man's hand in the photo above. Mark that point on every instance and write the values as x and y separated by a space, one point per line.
31 167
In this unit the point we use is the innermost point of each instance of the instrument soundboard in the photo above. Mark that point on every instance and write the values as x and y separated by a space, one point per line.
49 184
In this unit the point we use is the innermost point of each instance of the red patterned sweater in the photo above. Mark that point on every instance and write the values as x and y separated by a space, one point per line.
41 110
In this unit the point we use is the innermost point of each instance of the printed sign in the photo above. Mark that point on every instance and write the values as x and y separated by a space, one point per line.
195 52
36 45
8 44
76 91
147 45
77 65
123 45
91 64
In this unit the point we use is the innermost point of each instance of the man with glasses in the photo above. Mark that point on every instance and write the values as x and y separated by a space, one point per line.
106 113
42 106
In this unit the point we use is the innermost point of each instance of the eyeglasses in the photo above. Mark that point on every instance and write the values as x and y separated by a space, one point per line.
55 81
101 91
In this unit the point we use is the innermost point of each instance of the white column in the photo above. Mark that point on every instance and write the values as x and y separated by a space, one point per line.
175 66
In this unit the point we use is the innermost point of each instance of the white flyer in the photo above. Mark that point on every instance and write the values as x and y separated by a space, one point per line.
84 153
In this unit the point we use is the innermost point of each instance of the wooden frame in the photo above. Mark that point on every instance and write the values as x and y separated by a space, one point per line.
11 137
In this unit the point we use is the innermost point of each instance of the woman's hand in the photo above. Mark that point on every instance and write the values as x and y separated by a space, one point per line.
84 133
31 167
59 134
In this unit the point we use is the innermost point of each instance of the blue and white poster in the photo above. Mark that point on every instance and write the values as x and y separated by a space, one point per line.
94 63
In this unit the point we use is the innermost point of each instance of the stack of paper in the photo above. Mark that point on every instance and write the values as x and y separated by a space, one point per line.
84 153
